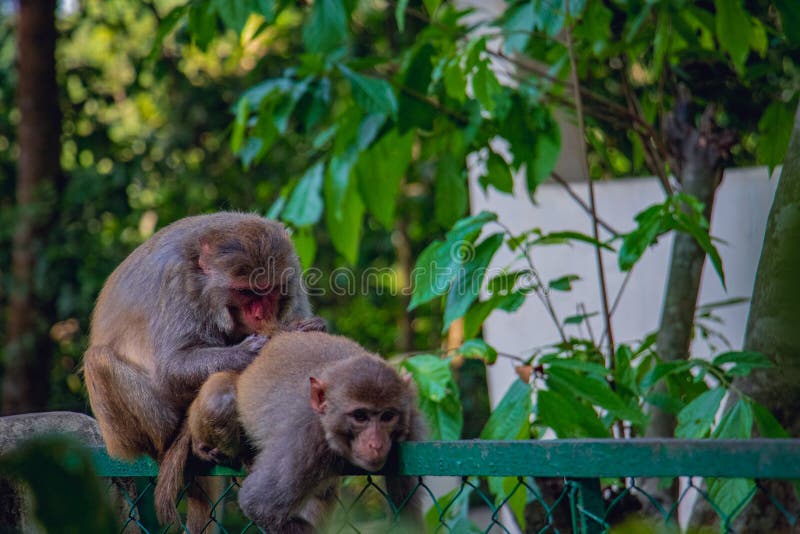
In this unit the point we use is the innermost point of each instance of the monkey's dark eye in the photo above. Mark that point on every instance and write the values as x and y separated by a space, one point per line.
388 416
245 292
360 415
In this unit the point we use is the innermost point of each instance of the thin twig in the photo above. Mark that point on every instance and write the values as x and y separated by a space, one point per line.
592 201
563 183
616 301
540 290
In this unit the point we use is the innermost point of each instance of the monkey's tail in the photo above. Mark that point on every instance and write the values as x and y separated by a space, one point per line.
171 476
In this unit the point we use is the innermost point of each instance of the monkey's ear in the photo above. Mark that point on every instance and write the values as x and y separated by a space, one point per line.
406 377
318 402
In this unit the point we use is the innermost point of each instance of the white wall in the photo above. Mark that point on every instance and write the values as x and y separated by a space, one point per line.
739 218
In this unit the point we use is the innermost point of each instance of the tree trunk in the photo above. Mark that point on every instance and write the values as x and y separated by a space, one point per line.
28 349
696 156
773 328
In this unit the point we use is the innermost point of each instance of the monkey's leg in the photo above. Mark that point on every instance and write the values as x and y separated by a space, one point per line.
318 508
272 498
405 495
133 419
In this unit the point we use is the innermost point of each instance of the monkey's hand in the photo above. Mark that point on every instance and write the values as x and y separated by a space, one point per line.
312 324
254 343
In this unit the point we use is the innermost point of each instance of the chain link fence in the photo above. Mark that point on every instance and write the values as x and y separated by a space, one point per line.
559 486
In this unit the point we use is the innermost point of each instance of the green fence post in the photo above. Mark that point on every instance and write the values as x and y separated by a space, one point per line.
591 504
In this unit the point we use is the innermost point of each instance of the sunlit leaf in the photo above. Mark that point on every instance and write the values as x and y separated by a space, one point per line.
695 420
305 205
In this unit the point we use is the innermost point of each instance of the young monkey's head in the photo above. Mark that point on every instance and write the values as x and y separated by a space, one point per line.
364 406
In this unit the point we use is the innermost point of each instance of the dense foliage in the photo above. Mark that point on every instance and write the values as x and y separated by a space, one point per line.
353 122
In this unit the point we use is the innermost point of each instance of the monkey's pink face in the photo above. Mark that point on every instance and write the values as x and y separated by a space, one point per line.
373 431
255 308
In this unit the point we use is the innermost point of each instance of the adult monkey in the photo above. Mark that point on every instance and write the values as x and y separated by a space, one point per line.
185 304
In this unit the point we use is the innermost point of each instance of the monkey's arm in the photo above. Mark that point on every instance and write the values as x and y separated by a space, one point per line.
273 494
186 369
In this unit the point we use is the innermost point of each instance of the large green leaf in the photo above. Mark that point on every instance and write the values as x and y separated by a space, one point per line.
695 420
790 18
498 175
745 361
597 391
733 30
305 245
730 495
774 130
478 349
305 205
438 395
326 28
649 227
510 419
768 426
467 283
450 195
737 423
568 418
373 95
380 172
414 110
345 213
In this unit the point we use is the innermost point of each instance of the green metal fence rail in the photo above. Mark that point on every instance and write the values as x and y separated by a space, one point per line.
564 486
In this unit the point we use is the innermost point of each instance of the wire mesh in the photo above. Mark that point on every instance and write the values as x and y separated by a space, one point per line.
500 505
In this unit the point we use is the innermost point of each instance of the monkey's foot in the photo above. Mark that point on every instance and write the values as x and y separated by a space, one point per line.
207 453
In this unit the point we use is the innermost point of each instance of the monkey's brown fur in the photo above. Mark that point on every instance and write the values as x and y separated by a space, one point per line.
299 404
183 305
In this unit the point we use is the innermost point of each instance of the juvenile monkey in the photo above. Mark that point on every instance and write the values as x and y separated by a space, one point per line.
309 404
185 304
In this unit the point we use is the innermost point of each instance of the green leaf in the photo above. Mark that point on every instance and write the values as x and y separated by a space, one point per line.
434 270
733 30
306 246
695 420
509 420
546 151
485 86
649 227
479 311
305 205
234 13
373 95
438 395
624 373
597 391
468 228
745 362
202 24
517 27
450 193
345 210
768 426
790 18
455 83
478 349
558 238
730 495
498 175
414 110
240 124
664 369
568 418
380 171
575 365
431 6
467 283
774 131
579 318
737 423
165 27
400 14
326 28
